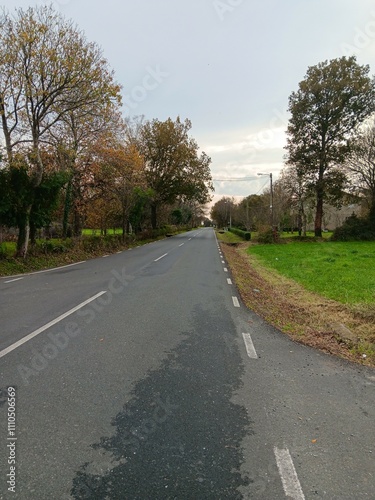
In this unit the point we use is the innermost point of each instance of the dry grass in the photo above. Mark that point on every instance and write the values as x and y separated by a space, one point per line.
305 316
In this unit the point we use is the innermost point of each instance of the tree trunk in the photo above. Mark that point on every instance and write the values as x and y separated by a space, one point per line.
77 223
319 203
32 234
23 234
67 207
153 215
319 218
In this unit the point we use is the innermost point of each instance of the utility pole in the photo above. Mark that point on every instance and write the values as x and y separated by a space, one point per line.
271 198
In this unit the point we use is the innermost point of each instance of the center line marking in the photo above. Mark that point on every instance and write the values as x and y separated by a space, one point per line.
48 325
182 244
251 352
162 257
289 478
11 281
235 302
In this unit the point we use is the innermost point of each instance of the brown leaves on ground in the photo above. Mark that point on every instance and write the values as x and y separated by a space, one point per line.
304 316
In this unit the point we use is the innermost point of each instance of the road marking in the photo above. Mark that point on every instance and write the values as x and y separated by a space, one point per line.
48 325
229 281
105 256
49 270
225 270
11 281
235 302
223 261
189 239
162 257
182 244
289 478
120 251
251 352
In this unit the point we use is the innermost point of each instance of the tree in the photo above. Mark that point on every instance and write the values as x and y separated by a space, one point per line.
119 173
332 100
222 211
174 167
48 70
360 165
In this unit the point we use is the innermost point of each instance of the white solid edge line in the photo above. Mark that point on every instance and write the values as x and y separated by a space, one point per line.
162 257
48 325
46 270
250 349
11 281
235 302
229 281
288 474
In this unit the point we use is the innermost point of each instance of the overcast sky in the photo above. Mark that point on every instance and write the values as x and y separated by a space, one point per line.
229 66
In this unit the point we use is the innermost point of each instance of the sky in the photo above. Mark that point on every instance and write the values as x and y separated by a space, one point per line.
229 66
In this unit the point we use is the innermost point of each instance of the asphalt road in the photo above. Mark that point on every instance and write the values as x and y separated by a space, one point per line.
142 376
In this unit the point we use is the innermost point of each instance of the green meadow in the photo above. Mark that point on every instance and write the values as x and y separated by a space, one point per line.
342 271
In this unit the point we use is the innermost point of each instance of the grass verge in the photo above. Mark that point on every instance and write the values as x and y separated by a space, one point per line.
55 253
306 316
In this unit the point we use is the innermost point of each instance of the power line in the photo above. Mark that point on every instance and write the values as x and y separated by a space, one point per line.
236 179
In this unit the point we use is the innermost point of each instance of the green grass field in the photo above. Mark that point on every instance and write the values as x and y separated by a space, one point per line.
344 272
229 237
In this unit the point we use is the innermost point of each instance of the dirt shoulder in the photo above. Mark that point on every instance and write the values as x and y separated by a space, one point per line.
304 316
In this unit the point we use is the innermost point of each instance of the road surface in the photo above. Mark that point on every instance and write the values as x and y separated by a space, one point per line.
141 375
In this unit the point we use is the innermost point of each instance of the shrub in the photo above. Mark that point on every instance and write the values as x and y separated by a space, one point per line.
267 235
354 229
246 235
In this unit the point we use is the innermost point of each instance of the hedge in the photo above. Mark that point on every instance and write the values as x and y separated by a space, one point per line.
246 235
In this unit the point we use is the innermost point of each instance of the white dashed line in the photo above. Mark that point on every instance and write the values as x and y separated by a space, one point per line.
48 325
223 261
182 244
289 478
11 281
251 352
225 270
162 257
229 281
235 302
105 256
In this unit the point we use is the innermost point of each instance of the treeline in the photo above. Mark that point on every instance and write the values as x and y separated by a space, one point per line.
67 155
330 160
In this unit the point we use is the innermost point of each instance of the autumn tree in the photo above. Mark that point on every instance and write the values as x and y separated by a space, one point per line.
48 70
120 174
174 166
334 97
